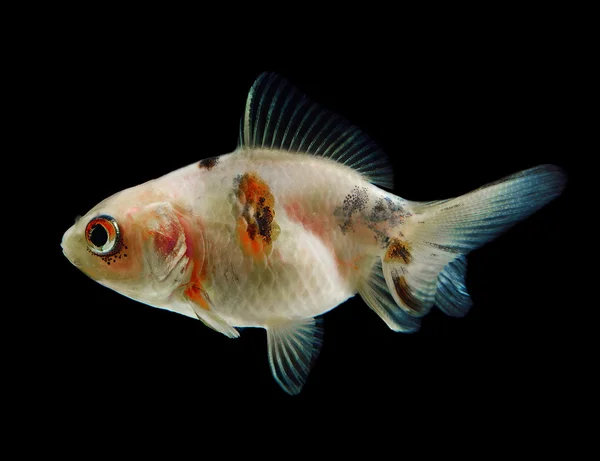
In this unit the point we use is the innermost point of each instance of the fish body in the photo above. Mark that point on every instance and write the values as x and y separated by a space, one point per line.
275 251
290 225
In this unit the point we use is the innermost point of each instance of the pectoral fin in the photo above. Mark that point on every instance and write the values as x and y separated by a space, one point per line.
293 348
214 321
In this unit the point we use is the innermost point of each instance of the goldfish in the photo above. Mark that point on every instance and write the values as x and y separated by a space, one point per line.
295 221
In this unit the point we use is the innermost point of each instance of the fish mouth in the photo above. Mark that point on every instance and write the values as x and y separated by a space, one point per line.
70 257
72 260
66 251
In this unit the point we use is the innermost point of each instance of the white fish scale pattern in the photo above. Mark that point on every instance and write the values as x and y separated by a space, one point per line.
313 262
286 291
302 277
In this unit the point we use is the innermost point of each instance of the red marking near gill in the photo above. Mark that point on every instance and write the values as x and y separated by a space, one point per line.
165 239
194 289
189 243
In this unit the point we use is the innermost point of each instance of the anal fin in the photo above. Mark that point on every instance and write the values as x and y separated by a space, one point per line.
293 348
410 270
376 294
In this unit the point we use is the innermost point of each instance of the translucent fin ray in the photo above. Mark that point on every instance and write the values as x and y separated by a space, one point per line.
213 320
467 222
293 348
279 117
431 267
376 294
451 293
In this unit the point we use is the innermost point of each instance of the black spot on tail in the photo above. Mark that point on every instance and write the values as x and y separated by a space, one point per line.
414 305
398 251
446 248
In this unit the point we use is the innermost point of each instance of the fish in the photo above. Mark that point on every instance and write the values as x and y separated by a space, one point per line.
299 218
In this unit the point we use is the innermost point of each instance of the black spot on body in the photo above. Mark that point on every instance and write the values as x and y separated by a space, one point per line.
208 163
259 208
252 230
379 211
386 215
354 202
264 219
380 237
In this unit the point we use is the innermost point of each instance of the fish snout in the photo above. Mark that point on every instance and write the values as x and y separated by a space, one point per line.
67 247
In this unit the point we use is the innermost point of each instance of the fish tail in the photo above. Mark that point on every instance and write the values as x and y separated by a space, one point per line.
425 263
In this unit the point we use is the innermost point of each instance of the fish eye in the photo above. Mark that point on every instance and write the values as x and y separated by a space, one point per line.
103 236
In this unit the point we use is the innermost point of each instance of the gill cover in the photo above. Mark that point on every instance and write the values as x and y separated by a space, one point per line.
164 240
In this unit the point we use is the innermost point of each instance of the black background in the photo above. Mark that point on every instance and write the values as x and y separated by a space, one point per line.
454 108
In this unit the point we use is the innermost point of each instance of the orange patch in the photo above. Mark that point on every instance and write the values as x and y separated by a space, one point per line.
256 227
251 189
398 250
197 293
250 244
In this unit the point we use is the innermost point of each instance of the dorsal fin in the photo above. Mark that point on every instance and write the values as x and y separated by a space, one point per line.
280 117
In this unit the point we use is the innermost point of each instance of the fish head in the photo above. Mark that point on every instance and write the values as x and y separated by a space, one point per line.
133 242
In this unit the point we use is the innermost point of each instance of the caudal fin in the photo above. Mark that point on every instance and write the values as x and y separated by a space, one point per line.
425 264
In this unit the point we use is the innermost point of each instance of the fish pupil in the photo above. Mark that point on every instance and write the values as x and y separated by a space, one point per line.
98 236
